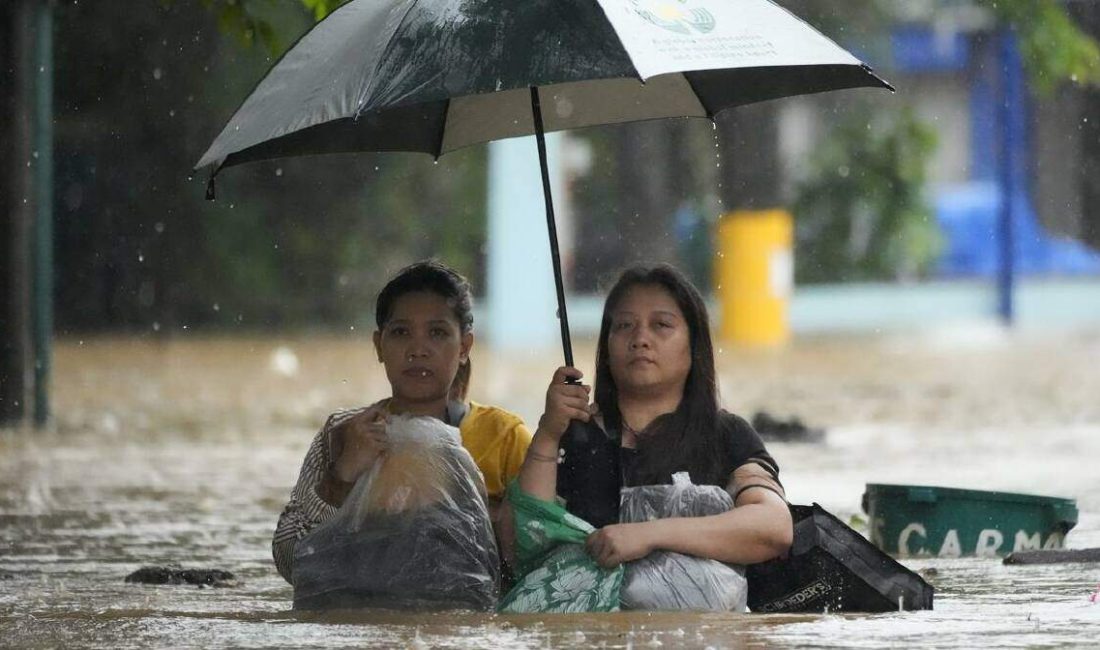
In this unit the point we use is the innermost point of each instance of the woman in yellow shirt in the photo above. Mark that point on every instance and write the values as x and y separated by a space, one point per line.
425 333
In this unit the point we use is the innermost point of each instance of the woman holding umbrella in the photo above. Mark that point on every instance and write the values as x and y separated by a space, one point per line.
655 392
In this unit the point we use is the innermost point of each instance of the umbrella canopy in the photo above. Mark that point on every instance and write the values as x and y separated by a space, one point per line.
436 75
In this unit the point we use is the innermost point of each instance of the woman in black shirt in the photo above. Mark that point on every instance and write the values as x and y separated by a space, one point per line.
655 392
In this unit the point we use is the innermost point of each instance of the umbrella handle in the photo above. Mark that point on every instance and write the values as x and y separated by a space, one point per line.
552 229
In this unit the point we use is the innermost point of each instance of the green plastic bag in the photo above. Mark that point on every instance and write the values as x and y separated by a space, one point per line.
558 575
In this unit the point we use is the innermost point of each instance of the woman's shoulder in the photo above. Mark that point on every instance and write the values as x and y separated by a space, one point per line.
495 418
341 415
731 424
742 443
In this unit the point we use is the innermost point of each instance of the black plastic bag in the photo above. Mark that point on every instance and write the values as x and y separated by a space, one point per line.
832 567
590 474
414 533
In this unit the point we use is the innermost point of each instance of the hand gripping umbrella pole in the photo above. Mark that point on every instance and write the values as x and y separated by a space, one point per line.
552 229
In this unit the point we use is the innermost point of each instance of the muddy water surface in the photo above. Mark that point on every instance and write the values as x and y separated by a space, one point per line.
183 450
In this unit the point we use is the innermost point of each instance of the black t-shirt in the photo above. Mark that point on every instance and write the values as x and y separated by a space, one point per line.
740 444
594 466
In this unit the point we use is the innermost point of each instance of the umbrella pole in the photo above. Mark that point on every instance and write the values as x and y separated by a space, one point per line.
551 227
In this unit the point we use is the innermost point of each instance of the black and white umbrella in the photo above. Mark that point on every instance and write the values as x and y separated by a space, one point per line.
434 76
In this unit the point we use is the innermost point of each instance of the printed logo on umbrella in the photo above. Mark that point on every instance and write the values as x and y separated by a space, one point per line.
675 16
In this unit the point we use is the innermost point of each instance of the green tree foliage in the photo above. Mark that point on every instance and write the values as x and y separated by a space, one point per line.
322 8
861 212
298 242
1054 48
241 19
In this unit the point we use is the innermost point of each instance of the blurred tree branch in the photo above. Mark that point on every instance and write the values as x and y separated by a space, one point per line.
1054 48
248 20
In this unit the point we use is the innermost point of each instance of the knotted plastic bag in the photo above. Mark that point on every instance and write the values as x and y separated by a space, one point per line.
664 580
557 573
414 532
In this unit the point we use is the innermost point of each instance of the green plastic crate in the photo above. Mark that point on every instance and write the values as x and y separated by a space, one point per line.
928 521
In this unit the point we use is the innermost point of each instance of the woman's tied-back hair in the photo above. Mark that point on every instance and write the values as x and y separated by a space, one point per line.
434 277
686 439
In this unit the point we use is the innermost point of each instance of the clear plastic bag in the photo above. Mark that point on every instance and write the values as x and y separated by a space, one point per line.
414 533
665 580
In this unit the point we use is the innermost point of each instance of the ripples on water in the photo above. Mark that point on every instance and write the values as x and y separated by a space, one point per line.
183 451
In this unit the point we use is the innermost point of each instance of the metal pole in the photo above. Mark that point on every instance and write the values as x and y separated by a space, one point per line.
551 227
1011 101
16 358
43 200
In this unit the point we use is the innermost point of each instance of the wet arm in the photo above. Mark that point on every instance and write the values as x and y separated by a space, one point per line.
539 474
758 529
311 503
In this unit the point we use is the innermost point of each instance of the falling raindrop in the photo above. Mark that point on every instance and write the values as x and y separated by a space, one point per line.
278 171
157 73
156 326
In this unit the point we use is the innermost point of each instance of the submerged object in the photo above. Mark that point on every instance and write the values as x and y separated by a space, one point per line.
174 575
773 429
1067 556
921 521
414 533
831 567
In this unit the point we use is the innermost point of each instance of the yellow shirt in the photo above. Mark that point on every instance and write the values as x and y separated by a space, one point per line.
498 441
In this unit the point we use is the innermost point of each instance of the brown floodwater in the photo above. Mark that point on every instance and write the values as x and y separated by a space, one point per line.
183 449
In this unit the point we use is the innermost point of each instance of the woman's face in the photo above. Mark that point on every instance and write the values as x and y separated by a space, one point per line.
422 346
649 344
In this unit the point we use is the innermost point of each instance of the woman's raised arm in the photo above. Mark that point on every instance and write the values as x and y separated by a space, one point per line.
564 402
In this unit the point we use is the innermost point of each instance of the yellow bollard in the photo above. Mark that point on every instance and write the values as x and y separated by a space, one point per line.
754 276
